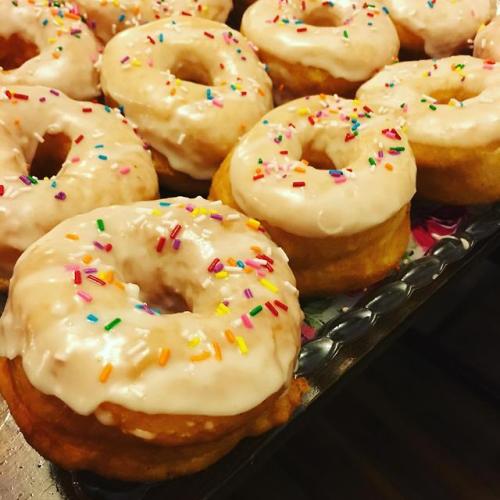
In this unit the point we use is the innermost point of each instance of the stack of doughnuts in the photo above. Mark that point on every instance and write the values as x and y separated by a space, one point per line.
143 338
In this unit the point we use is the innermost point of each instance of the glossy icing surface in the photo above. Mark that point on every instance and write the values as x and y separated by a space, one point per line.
106 163
68 50
108 17
443 25
81 310
194 125
370 173
349 39
451 102
487 42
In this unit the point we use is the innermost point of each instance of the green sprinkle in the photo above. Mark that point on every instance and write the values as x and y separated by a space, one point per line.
346 34
32 179
371 161
112 324
100 224
431 106
256 310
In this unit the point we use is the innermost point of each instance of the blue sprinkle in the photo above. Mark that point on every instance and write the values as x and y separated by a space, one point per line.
165 204
240 263
121 18
102 157
99 146
92 318
160 37
53 184
107 109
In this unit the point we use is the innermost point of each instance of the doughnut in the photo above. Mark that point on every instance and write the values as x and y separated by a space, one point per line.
331 182
154 358
108 17
313 47
487 42
451 108
192 87
438 28
59 158
46 43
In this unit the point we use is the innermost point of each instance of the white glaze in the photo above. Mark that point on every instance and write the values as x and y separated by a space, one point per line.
444 28
194 126
28 211
68 49
487 42
408 88
325 206
108 17
63 353
370 44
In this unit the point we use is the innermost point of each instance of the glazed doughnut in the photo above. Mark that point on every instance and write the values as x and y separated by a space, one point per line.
487 42
438 28
152 359
100 158
108 17
331 182
192 87
452 110
46 43
313 47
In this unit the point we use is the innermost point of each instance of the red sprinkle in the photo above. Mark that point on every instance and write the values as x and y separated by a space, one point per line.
281 305
2 189
22 97
349 137
257 177
298 184
212 265
209 35
78 278
87 110
160 244
175 231
95 279
271 308
79 139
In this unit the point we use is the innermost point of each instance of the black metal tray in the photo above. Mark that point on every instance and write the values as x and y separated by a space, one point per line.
333 350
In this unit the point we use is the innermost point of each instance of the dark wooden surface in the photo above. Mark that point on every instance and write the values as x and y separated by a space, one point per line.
422 422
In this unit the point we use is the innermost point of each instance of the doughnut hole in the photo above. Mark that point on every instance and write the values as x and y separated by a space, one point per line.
462 93
15 51
167 300
50 155
190 70
316 158
323 18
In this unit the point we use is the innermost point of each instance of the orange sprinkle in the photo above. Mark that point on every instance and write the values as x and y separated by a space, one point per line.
389 167
119 285
70 15
164 356
231 261
200 357
72 236
300 169
261 92
87 259
218 352
256 249
56 55
305 162
105 373
230 336
248 270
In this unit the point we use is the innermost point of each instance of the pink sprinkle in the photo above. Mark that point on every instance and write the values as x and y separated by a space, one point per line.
84 296
248 293
60 196
124 170
176 244
189 208
252 263
217 102
125 59
340 180
90 270
54 92
71 267
75 159
246 321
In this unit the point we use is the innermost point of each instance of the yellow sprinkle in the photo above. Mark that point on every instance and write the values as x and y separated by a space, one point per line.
218 352
221 275
107 276
222 309
178 82
200 357
135 62
230 336
256 249
72 236
52 40
87 259
195 212
105 373
268 285
194 342
164 356
156 211
356 102
304 111
254 224
242 346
